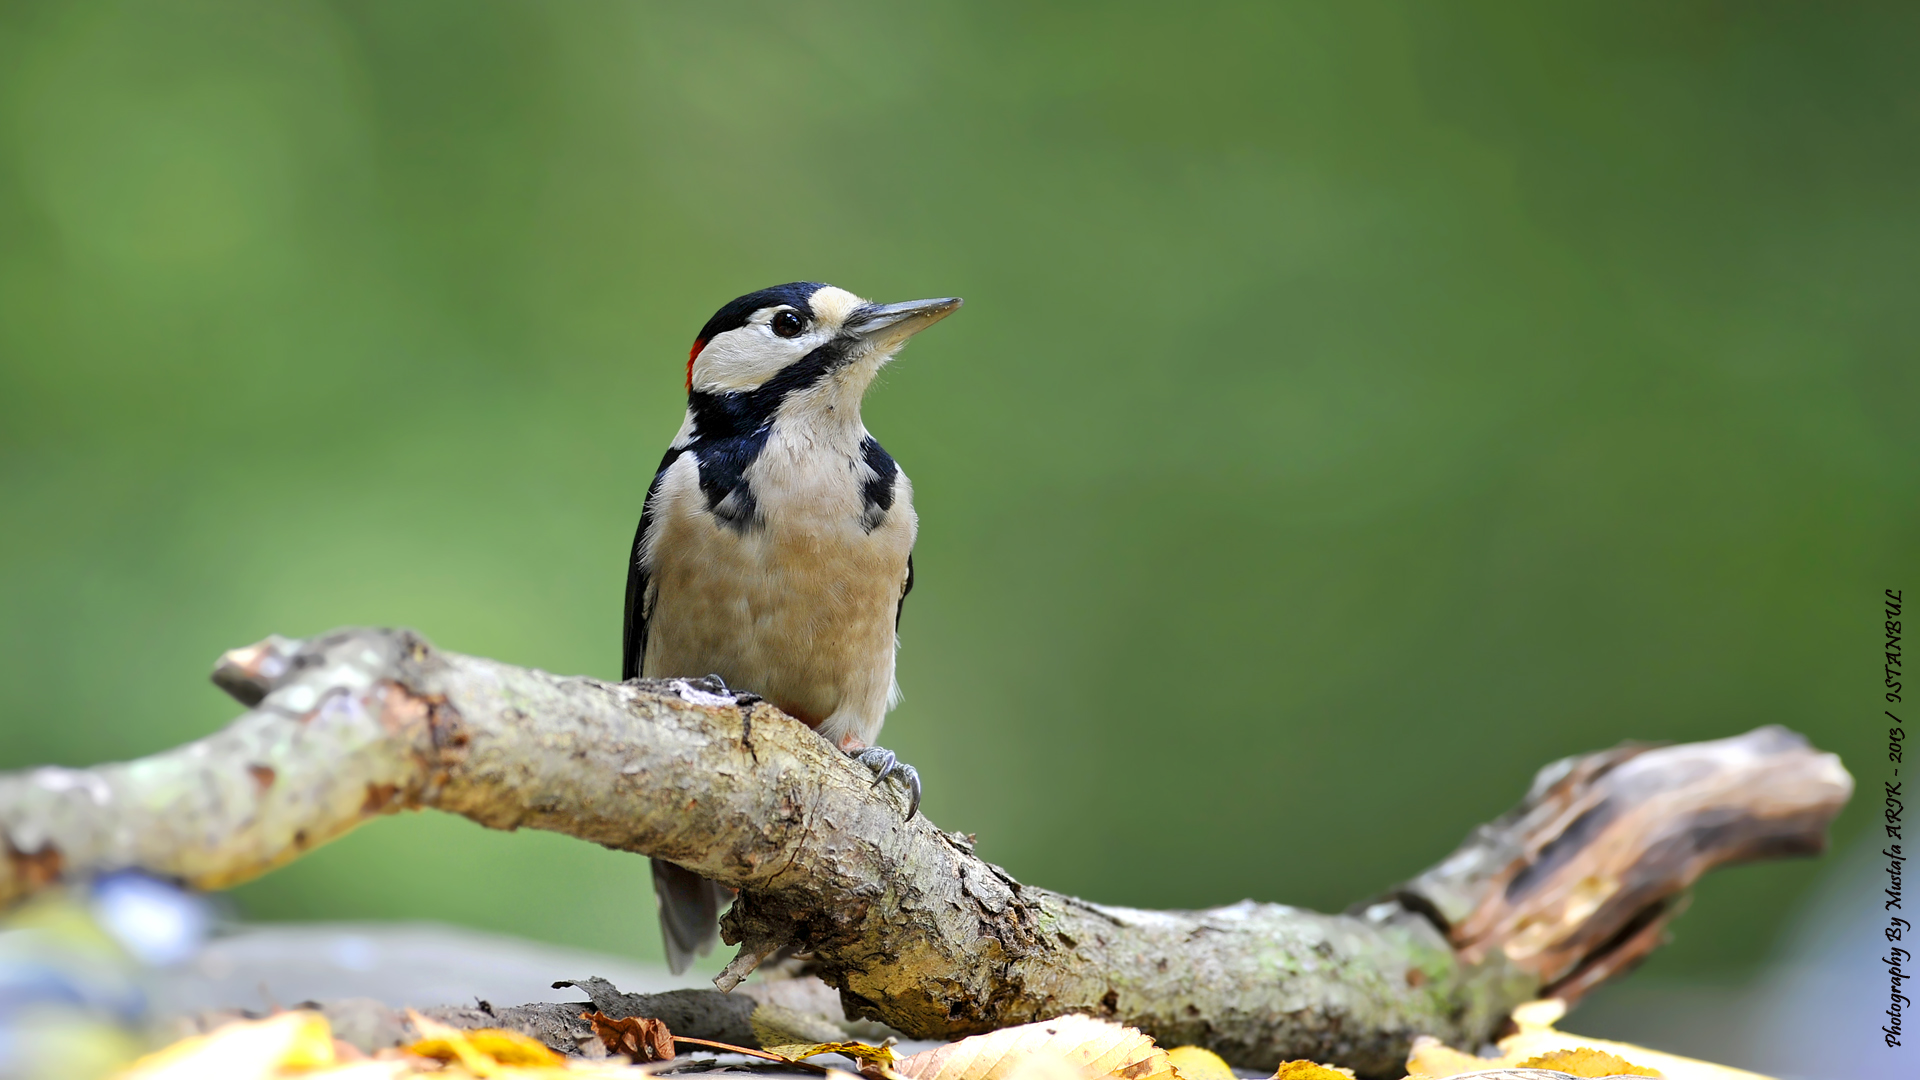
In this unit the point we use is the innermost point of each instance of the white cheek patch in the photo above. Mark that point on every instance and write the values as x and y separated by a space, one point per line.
743 359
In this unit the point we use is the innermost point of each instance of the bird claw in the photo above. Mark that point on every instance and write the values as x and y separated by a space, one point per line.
714 684
885 763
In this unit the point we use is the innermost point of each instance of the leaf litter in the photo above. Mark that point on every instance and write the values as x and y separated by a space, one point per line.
1074 1047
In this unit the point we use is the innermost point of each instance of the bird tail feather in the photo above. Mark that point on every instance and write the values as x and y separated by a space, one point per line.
689 912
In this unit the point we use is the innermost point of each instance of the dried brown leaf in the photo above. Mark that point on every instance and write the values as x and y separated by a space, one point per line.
640 1038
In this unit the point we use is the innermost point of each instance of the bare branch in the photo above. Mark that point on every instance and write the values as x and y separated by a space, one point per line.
905 919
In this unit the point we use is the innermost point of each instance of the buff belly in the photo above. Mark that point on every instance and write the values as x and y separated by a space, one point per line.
798 608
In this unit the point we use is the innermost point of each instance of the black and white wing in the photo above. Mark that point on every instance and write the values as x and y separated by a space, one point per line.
633 651
689 904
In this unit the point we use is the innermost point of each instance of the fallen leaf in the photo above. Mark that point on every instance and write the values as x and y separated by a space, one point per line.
1307 1070
640 1038
1199 1063
1585 1061
361 1070
1043 1067
480 1051
1536 1039
297 1040
301 1044
878 1059
1093 1048
1433 1058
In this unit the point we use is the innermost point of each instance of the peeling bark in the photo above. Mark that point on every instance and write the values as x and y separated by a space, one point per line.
913 928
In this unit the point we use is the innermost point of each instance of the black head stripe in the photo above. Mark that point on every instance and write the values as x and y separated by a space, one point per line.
730 429
736 312
735 413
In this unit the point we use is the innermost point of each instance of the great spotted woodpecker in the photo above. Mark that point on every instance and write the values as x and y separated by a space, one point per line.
775 547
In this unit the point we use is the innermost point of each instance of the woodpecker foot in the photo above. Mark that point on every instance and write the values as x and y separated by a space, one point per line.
884 764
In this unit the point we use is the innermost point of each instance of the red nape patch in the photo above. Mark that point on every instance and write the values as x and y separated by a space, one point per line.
692 355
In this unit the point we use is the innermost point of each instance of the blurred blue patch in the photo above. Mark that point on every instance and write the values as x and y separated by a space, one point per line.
158 922
76 967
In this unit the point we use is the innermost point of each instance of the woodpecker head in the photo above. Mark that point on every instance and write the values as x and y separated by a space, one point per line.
802 337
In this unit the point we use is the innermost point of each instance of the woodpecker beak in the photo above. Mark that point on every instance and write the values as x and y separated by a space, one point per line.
886 327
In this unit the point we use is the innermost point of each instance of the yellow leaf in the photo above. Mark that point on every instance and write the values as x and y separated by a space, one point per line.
1536 1040
243 1051
1307 1070
362 1070
1198 1063
1091 1048
513 1048
1585 1061
878 1056
300 1045
1433 1058
482 1051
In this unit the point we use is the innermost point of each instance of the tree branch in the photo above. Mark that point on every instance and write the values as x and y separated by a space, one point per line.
913 928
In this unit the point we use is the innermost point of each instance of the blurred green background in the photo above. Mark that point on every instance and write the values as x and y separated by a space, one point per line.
1356 405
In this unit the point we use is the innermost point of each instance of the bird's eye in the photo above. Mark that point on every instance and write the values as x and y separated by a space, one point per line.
787 324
